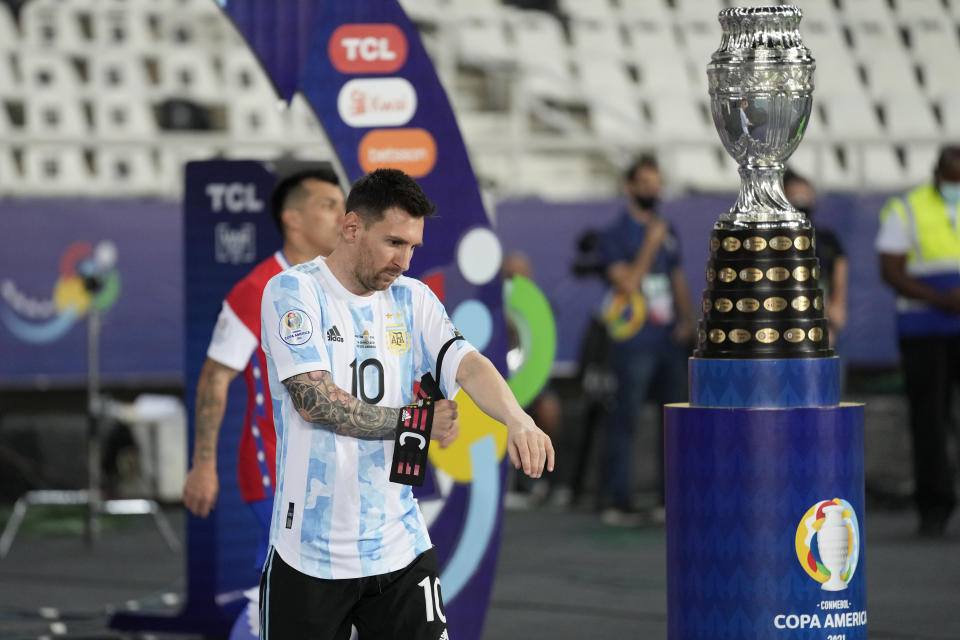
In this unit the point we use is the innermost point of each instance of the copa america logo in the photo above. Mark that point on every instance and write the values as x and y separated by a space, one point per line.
834 523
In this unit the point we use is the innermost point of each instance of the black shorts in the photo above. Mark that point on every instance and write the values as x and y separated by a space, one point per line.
402 605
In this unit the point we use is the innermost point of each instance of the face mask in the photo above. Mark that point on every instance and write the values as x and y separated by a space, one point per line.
647 202
950 192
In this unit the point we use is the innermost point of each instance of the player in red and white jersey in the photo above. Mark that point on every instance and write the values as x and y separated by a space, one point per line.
308 208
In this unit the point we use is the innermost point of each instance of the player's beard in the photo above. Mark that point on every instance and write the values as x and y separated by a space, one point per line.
373 279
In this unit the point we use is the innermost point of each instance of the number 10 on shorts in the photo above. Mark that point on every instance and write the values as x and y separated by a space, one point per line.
431 598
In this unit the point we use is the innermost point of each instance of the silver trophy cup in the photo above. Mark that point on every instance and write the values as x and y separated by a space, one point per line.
761 81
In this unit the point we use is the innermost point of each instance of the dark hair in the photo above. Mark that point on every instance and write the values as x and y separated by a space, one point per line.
292 187
948 153
645 161
789 175
374 193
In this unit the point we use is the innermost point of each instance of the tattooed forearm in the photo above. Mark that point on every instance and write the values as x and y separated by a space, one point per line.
318 399
210 405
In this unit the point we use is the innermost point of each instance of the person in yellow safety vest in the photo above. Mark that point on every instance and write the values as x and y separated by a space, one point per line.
919 247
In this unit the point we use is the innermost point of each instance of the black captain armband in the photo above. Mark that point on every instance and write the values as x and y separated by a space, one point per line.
412 442
413 428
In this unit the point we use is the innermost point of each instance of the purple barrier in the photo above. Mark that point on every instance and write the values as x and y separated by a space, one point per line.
43 342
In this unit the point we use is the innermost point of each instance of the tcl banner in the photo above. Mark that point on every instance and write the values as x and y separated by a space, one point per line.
368 48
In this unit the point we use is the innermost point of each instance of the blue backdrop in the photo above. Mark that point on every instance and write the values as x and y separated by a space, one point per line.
141 340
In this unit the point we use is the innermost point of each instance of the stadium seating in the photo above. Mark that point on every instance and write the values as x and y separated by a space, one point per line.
581 87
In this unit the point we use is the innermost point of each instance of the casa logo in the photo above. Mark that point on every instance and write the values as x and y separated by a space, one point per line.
365 340
367 48
295 327
87 280
235 245
398 338
413 151
832 559
377 102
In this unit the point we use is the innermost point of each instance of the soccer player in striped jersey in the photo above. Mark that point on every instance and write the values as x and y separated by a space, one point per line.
345 338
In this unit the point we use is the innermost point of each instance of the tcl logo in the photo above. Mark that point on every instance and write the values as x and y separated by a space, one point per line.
367 48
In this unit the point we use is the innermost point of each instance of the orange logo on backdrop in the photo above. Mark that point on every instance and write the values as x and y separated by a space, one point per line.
413 151
367 48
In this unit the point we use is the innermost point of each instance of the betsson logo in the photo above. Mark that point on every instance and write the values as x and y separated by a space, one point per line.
367 48
413 151
377 102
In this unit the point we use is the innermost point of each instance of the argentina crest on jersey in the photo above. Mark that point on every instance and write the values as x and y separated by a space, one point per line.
398 338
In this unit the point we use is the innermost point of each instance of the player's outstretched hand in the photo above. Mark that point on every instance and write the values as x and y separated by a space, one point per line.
200 490
529 448
445 426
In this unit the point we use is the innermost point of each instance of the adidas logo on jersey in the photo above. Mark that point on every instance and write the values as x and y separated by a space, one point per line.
444 636
333 334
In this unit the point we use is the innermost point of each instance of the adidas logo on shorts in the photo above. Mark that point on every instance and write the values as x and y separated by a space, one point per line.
333 334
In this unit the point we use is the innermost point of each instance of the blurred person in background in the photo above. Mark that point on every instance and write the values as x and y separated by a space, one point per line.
919 247
834 268
307 208
641 256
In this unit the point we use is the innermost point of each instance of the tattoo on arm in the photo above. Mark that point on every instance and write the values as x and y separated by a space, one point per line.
211 403
317 399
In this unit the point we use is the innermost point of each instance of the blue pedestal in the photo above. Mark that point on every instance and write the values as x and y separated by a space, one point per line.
748 491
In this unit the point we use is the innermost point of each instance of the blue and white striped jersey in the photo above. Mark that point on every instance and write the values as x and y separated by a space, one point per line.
335 513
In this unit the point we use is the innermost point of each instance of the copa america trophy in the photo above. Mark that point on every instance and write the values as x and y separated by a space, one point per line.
762 298
764 439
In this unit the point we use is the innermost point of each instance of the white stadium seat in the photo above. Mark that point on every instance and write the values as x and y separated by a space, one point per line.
188 73
125 170
934 41
482 41
9 82
47 24
699 10
681 119
9 32
48 72
652 12
118 71
840 167
909 116
921 159
940 78
851 118
542 55
123 118
49 116
253 120
125 27
592 38
950 112
601 10
10 177
914 10
55 170
704 168
882 168
891 76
